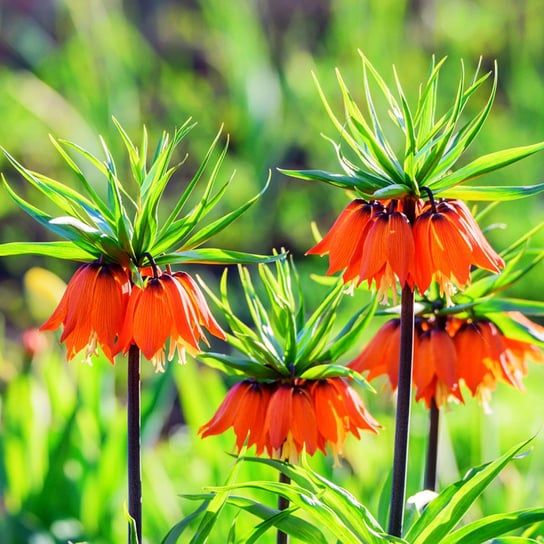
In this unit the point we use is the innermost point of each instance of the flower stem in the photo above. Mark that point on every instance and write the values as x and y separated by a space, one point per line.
283 504
134 439
404 399
432 447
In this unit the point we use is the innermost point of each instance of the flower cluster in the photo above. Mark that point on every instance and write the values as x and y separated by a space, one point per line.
376 242
295 396
103 307
450 352
285 419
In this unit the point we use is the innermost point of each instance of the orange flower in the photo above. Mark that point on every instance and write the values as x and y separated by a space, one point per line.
291 422
486 356
92 310
474 352
339 410
345 239
167 307
244 409
287 418
520 352
435 367
448 242
371 243
381 355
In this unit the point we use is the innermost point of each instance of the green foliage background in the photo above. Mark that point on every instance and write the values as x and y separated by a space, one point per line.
66 67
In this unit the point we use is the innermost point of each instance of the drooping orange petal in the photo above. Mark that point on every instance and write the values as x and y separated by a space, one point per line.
244 422
451 251
471 353
79 299
185 329
303 423
200 306
259 432
435 367
496 359
374 255
325 400
152 319
278 416
108 307
444 357
58 317
423 371
225 415
424 267
484 255
381 355
358 417
400 250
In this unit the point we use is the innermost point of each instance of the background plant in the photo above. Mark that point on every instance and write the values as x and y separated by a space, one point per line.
68 66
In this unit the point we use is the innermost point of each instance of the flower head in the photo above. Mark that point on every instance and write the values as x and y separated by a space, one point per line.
118 233
339 410
370 242
448 243
167 307
486 356
287 418
244 409
435 365
451 351
92 310
295 396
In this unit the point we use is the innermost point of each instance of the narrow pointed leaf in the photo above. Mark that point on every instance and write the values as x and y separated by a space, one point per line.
366 183
446 511
215 256
491 193
60 250
494 526
485 164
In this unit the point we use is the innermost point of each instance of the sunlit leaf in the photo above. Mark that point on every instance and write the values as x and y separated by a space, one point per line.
61 250
446 511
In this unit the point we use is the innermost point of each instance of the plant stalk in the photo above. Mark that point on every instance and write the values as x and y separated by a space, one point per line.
283 504
404 400
432 447
134 444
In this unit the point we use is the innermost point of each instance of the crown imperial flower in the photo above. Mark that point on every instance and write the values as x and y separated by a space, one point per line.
370 242
470 351
167 306
448 242
287 418
92 310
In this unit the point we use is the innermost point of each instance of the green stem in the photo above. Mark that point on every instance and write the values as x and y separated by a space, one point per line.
404 399
134 443
283 504
432 447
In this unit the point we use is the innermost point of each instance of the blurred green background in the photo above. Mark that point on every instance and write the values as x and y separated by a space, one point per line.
68 66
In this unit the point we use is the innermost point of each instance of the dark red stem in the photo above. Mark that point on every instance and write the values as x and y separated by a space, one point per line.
134 443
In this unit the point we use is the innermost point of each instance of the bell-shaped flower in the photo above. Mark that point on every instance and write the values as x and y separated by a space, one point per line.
486 356
371 243
381 354
339 410
448 243
92 310
166 311
435 372
244 409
